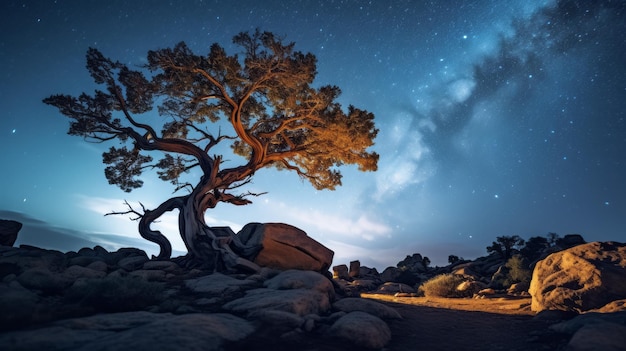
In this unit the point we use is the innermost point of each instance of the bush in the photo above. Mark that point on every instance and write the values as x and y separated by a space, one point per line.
443 285
518 271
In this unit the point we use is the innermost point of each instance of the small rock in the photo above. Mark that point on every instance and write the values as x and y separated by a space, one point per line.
99 266
599 336
149 275
298 301
341 272
167 266
355 269
218 284
392 288
296 279
362 329
351 304
132 263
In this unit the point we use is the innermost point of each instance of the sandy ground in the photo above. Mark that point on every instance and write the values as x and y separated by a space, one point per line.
497 323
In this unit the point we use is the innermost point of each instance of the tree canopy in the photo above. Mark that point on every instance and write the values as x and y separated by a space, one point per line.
264 94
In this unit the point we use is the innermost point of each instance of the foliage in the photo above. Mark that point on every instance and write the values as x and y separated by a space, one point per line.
504 245
452 259
443 285
518 271
534 247
115 294
278 119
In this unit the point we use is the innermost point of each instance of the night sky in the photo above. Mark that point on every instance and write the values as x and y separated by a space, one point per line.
496 118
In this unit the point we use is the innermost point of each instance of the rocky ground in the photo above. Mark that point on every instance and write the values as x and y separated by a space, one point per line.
99 300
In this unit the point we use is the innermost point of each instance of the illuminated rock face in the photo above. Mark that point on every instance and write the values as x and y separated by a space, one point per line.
581 278
286 247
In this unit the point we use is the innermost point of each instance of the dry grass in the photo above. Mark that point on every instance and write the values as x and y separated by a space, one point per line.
500 305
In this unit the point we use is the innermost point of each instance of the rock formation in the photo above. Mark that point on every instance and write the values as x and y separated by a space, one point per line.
580 278
285 247
8 231
99 300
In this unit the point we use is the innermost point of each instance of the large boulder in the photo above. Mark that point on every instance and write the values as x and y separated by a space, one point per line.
8 231
285 247
581 278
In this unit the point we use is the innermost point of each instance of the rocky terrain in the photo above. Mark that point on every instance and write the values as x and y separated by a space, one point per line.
99 300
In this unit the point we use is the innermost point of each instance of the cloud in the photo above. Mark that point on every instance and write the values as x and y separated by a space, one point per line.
363 226
461 89
409 161
46 235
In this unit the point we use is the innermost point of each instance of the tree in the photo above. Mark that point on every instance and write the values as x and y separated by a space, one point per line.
452 259
264 96
518 270
535 247
504 245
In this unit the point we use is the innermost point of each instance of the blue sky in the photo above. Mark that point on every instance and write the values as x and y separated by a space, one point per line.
496 118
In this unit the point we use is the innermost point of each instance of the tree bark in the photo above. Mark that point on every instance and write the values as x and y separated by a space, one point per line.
209 249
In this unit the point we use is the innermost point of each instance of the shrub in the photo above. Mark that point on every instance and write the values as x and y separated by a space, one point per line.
443 285
518 271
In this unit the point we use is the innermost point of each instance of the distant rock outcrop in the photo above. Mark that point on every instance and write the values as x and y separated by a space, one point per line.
8 231
580 278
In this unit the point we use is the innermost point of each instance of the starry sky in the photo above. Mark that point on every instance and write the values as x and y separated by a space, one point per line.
496 118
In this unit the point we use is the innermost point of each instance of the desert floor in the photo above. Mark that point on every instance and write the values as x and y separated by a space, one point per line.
497 323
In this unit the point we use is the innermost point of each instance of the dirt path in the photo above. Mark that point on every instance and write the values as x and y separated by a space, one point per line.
465 324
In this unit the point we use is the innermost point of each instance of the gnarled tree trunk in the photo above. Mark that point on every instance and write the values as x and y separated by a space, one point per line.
217 250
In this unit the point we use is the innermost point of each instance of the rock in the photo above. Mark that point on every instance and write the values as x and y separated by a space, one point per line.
366 272
43 280
355 269
600 336
167 266
470 287
465 270
295 279
18 306
72 273
518 288
362 329
351 304
364 284
8 231
613 306
390 274
414 263
132 263
581 278
572 325
84 261
487 291
341 272
134 330
298 301
218 284
99 266
281 321
286 247
392 288
150 275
